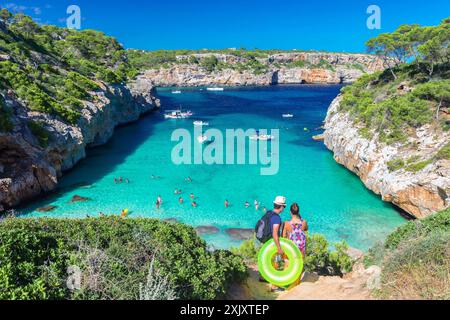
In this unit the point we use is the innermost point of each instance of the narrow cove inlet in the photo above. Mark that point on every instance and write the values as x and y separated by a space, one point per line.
332 199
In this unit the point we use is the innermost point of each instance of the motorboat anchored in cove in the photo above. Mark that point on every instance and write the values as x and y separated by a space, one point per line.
214 89
177 114
200 123
262 137
202 139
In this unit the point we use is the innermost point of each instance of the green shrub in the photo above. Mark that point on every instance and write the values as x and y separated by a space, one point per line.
248 250
108 76
395 164
82 82
39 131
209 63
298 64
444 152
35 255
323 261
416 167
5 117
365 133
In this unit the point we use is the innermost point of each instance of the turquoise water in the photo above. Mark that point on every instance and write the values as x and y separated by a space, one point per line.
333 200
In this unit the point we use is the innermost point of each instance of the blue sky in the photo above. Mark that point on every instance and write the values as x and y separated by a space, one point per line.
195 24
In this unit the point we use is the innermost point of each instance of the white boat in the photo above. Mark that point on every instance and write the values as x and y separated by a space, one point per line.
214 89
262 137
287 115
176 91
202 139
177 114
200 123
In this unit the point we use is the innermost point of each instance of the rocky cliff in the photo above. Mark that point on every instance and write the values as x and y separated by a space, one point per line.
27 169
280 68
418 193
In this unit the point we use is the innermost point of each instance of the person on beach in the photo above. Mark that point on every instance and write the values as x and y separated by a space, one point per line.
123 214
226 203
295 229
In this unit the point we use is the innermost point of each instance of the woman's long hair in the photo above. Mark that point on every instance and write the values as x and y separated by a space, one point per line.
295 210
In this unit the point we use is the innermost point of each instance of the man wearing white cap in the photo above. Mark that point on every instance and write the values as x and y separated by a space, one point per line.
275 221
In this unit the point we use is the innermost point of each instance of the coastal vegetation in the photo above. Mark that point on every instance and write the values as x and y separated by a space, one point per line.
5 117
256 61
415 260
413 91
38 130
111 258
53 69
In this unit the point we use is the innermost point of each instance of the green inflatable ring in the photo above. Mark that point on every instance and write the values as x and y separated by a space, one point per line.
284 277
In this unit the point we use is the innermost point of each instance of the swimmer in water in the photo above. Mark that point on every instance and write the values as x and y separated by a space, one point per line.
226 203
158 202
256 205
180 200
247 204
191 196
127 181
194 204
188 179
264 209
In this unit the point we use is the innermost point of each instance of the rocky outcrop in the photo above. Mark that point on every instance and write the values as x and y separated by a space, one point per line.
186 75
240 234
418 193
280 69
27 169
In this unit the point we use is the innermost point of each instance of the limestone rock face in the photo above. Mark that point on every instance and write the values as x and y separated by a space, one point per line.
342 68
28 169
418 193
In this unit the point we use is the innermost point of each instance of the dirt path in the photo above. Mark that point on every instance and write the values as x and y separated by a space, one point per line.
353 286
